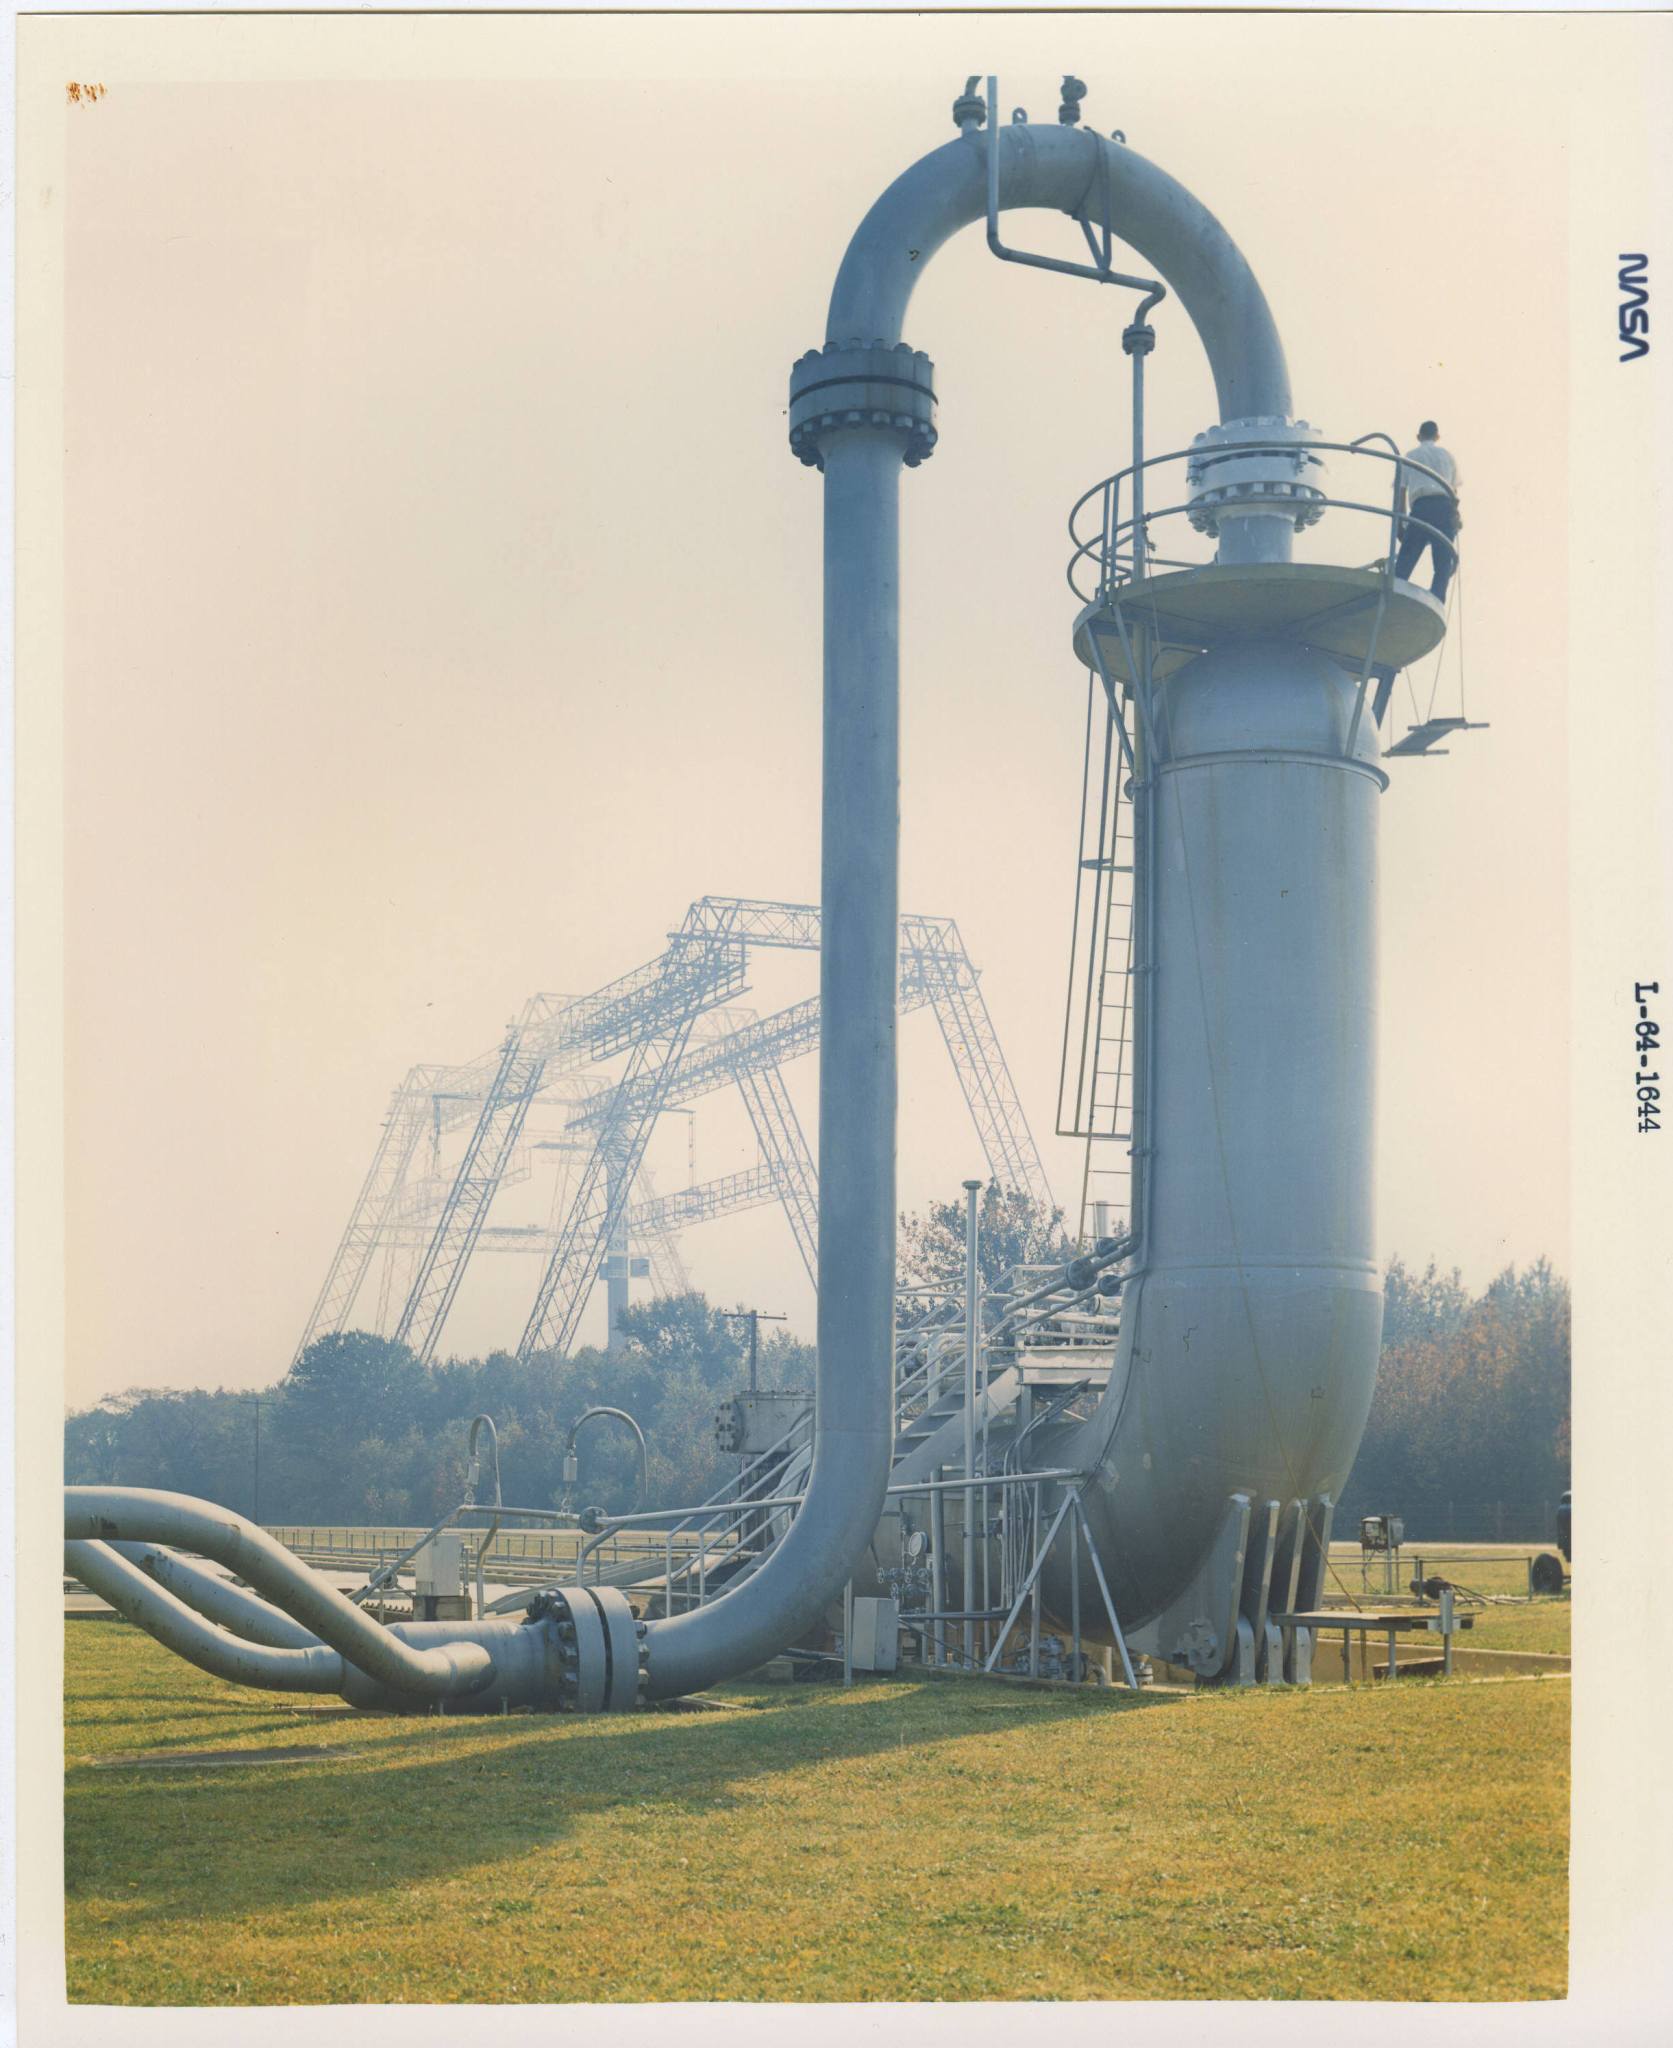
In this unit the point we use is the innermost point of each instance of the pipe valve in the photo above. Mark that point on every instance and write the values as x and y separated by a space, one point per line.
970 109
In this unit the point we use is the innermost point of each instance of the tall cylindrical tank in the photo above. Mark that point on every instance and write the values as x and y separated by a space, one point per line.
1252 1321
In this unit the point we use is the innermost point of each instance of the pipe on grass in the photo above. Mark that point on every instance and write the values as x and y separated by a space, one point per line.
188 1634
230 1607
104 1514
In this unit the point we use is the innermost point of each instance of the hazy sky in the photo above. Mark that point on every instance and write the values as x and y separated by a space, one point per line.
443 600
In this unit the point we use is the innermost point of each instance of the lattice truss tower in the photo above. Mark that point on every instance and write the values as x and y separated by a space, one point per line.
607 1066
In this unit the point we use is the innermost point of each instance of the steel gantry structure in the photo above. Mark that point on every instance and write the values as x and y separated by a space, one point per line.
675 1026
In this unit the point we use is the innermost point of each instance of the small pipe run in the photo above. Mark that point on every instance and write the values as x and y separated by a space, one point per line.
103 1514
620 1415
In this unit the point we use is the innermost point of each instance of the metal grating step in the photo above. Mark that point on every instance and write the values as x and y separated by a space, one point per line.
1420 739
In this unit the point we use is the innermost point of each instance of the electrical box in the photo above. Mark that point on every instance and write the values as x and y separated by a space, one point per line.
752 1423
438 1579
1381 1532
876 1635
438 1571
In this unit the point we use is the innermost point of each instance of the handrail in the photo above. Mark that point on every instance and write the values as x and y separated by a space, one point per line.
1241 448
1105 545
905 1486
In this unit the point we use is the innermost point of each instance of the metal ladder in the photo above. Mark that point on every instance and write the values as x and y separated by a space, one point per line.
1095 1092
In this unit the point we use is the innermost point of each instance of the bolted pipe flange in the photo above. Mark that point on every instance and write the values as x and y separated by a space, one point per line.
1262 465
862 384
597 1652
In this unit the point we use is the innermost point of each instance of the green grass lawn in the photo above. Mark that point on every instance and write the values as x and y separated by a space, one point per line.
1543 1625
913 1839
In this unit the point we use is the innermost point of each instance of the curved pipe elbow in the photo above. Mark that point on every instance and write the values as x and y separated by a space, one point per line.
787 1597
1055 169
188 1634
102 1514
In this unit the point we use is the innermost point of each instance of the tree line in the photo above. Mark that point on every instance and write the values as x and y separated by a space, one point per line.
359 1430
1469 1434
1471 1410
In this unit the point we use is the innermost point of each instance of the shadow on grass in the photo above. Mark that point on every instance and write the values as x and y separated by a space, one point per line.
443 1795
94 1723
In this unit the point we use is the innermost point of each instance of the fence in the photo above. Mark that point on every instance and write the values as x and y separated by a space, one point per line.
514 1553
1433 1520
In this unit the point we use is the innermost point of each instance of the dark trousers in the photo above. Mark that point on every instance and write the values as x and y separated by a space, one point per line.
1442 514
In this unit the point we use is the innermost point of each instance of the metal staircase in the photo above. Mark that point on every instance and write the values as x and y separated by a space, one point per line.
731 1534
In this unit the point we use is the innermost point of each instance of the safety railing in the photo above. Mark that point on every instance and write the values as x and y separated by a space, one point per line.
520 1555
1112 547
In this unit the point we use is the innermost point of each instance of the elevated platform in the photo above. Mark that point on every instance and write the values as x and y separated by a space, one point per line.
1335 610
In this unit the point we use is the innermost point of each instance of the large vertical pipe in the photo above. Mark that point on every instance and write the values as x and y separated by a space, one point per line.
858 963
860 945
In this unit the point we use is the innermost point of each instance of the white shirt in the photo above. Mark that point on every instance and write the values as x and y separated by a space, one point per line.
1433 457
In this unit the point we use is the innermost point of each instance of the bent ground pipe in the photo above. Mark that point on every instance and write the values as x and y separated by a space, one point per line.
138 1514
188 1634
861 452
228 1606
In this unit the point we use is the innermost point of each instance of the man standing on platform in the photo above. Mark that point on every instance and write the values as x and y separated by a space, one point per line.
1429 499
1429 486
